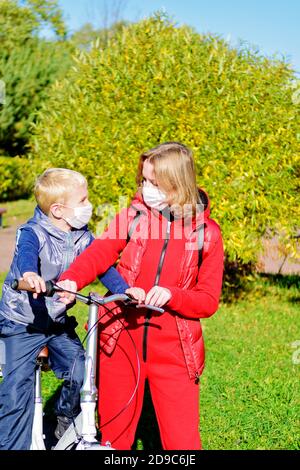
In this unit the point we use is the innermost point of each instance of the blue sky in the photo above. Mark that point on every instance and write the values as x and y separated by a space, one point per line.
270 25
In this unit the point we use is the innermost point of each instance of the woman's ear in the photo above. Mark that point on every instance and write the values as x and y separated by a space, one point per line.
56 211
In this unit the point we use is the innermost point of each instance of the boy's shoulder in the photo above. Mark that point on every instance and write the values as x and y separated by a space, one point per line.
25 231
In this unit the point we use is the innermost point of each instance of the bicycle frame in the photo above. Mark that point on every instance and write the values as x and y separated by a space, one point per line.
82 433
89 392
37 439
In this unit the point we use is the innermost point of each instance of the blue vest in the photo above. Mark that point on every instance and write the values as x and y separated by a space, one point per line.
57 250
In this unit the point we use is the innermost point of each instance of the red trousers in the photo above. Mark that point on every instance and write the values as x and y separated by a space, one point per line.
175 396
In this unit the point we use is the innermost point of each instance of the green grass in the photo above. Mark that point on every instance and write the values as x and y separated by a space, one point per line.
250 389
17 211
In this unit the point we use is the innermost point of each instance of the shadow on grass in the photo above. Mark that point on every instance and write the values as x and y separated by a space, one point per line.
283 280
286 281
239 280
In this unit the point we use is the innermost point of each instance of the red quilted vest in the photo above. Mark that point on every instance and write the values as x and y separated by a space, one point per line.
189 330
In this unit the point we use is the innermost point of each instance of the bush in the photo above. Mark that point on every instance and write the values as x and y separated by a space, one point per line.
16 178
155 82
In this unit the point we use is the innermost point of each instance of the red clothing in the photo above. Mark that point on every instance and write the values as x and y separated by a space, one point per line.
174 340
200 301
175 397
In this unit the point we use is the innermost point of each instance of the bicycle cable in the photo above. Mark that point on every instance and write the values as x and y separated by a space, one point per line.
138 362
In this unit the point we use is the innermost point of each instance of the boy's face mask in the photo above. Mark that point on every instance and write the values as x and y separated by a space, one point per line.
154 197
81 217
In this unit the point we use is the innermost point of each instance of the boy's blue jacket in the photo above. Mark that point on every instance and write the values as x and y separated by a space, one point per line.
57 250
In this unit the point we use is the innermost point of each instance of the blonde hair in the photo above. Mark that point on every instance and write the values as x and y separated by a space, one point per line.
175 174
55 185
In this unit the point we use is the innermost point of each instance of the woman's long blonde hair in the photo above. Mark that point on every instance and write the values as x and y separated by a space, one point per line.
175 174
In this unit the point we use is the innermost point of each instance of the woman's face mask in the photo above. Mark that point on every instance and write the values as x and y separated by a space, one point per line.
81 216
153 196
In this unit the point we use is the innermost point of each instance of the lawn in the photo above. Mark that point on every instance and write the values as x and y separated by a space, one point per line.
250 389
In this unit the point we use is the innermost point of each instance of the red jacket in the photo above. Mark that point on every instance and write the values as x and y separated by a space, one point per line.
191 299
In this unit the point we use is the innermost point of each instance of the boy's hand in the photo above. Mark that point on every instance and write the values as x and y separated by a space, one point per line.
136 293
158 296
36 282
66 297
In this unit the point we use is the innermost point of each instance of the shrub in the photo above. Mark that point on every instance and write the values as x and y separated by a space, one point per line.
16 178
28 65
155 82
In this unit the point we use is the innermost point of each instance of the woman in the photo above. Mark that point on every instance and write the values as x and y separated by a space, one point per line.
159 238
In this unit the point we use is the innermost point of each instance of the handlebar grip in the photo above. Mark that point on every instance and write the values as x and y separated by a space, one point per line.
20 284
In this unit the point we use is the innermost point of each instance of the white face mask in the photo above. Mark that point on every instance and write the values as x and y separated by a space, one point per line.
81 217
154 197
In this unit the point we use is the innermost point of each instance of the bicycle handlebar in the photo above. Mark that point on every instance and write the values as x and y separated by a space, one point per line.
24 285
93 298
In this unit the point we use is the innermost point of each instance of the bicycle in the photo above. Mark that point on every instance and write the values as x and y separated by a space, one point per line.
82 433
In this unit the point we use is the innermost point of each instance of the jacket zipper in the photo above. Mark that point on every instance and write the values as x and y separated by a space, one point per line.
158 273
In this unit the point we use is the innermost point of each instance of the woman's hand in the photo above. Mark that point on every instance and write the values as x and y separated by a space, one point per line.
66 297
136 293
36 282
158 296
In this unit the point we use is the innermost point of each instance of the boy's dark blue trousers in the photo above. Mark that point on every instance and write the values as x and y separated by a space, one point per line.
20 346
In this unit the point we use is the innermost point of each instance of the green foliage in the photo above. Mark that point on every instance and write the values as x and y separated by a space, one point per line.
19 21
238 279
27 74
48 12
28 65
13 18
155 82
16 178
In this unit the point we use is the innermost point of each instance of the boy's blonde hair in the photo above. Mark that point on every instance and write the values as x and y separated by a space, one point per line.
55 185
175 173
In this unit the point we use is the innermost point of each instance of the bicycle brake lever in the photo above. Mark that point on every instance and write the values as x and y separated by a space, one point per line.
132 301
150 307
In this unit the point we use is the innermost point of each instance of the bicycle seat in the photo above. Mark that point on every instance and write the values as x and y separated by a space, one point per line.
43 352
42 359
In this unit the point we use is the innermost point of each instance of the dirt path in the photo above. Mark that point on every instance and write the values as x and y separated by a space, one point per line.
269 263
272 260
7 245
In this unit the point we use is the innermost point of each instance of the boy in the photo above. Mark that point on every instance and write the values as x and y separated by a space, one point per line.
45 247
